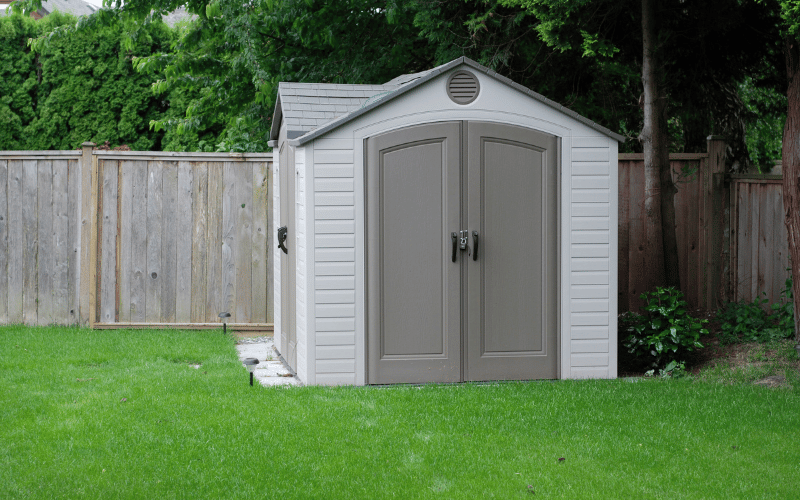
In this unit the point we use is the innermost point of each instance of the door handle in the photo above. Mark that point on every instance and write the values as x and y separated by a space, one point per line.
474 245
454 237
282 235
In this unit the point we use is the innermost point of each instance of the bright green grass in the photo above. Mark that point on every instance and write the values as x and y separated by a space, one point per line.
65 431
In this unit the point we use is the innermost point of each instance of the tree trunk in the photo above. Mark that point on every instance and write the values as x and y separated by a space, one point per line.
791 168
659 205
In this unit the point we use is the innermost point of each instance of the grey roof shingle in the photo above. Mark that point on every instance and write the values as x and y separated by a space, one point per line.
351 101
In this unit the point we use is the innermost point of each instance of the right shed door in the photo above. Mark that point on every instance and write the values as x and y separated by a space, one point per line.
511 288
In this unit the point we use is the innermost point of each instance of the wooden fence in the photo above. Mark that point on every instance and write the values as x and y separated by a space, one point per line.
135 239
732 243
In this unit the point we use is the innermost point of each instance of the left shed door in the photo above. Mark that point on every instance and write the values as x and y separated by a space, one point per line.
288 278
413 205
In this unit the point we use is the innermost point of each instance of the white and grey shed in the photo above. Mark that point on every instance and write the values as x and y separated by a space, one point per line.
446 226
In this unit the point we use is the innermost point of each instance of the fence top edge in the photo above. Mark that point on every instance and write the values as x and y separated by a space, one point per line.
173 155
757 177
672 156
37 155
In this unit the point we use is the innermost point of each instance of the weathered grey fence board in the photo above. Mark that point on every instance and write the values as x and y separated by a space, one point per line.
59 313
138 270
228 240
105 238
30 222
125 238
3 241
259 253
153 276
169 242
16 242
243 253
184 231
214 278
199 241
44 267
108 243
74 215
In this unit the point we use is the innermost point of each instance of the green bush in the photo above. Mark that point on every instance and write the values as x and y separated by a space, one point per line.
741 322
660 338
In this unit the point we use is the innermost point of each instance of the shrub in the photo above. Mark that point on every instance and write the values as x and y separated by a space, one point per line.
662 336
741 322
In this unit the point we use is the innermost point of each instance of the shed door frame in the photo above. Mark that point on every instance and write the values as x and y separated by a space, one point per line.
554 187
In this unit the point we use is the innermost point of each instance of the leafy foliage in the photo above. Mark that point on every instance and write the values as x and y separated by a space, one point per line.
741 322
662 336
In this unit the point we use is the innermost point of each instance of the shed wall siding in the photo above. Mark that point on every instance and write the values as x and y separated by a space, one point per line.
334 261
300 282
276 252
588 226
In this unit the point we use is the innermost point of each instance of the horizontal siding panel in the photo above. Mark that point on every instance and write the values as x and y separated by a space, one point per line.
589 142
590 223
590 182
336 311
591 209
588 278
589 346
590 237
335 226
335 338
335 296
590 168
591 195
333 156
333 184
586 359
335 255
589 333
587 264
336 366
589 292
335 324
335 241
321 213
335 269
333 144
589 305
334 199
589 319
590 154
591 251
336 378
335 282
333 170
580 372
336 352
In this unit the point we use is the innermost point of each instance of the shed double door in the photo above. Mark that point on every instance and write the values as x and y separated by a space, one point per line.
490 316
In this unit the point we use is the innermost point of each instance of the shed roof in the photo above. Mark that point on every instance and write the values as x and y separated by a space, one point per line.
313 109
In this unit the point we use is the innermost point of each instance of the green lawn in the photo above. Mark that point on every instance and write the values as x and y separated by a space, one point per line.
123 414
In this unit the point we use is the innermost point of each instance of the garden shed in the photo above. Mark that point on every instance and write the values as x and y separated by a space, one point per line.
447 226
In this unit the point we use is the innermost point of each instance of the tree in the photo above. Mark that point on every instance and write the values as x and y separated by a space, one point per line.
790 31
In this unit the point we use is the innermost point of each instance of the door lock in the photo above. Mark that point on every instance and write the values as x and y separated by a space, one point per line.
464 238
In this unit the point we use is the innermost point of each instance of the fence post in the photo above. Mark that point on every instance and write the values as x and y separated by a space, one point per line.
85 233
718 246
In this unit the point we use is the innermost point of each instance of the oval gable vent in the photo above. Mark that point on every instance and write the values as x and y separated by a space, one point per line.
463 87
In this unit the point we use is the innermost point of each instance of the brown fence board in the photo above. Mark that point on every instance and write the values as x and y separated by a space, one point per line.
154 230
75 216
44 265
228 241
243 249
184 232
61 248
780 245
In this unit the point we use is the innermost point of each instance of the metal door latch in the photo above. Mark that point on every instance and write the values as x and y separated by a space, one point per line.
464 238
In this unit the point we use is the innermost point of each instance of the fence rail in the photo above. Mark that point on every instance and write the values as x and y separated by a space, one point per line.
135 238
